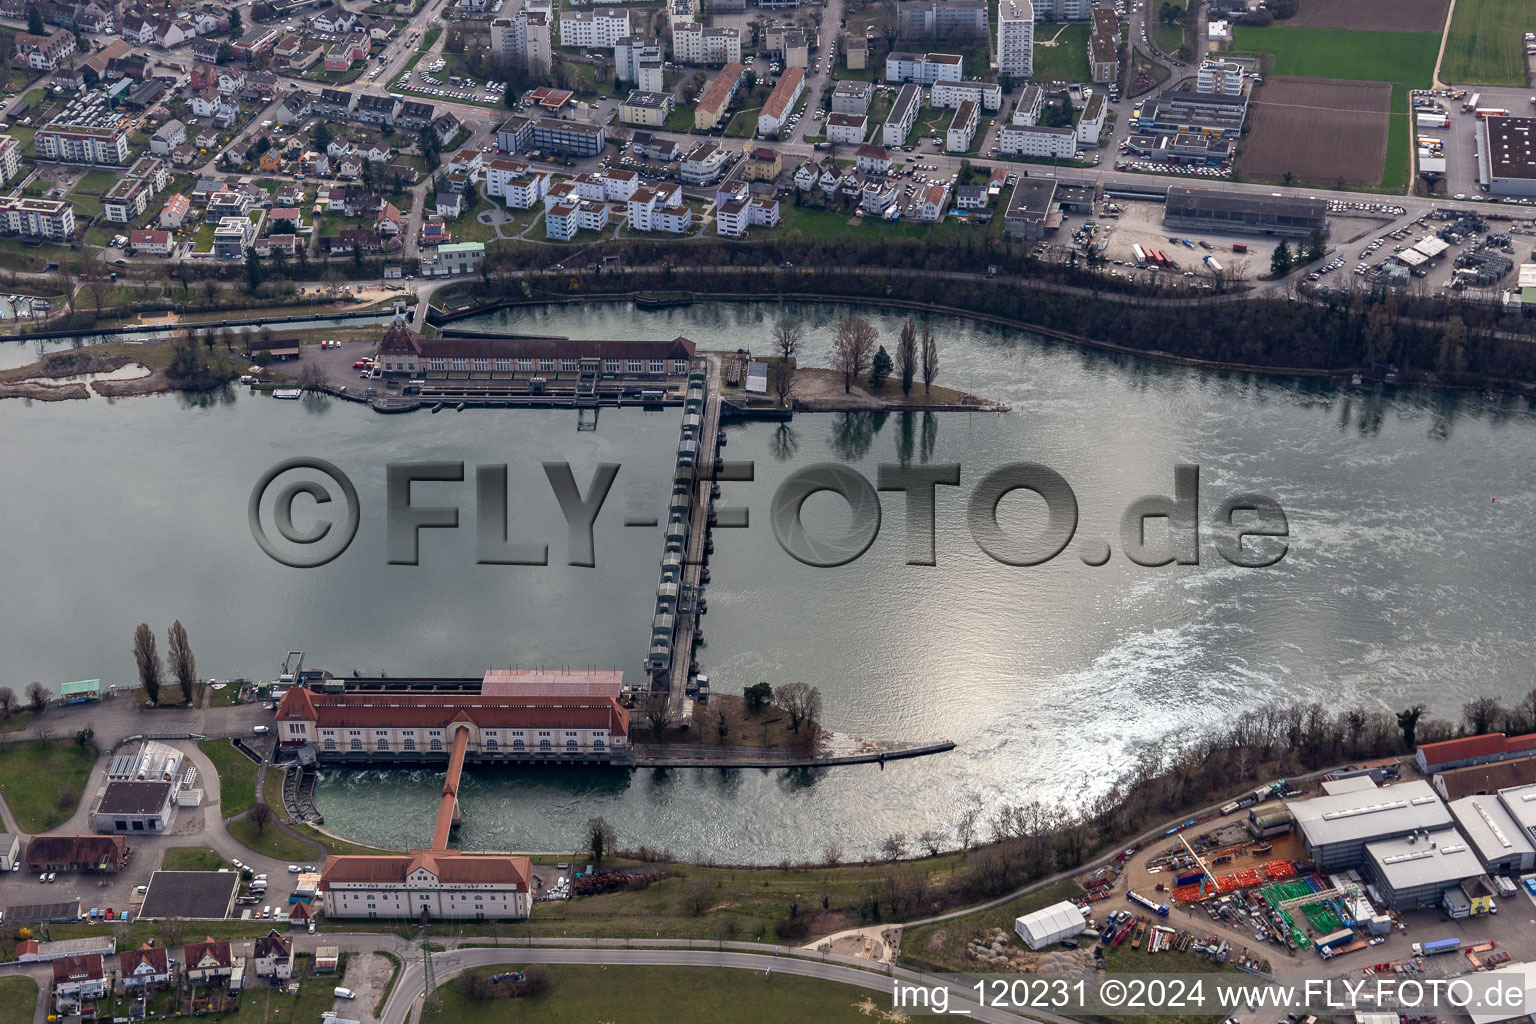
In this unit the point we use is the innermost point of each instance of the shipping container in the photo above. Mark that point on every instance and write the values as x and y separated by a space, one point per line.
1484 113
1433 121
1139 253
1239 246
1436 947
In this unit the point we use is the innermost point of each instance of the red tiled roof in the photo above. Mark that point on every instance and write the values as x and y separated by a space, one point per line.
77 968
718 92
873 152
1489 744
129 959
193 952
447 865
778 100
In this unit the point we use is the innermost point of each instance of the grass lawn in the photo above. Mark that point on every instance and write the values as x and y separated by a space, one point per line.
97 182
1168 37
941 947
43 784
192 858
1067 61
203 240
680 120
336 845
1407 58
743 125
1395 172
674 995
18 997
468 227
87 206
259 1003
18 721
272 842
237 776
1484 45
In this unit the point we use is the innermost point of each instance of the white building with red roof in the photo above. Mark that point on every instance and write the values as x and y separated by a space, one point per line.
440 883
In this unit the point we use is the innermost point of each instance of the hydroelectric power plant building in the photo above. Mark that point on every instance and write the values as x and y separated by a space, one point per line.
507 716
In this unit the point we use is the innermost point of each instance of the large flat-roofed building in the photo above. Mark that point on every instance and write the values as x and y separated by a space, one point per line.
1219 210
1173 112
1220 78
1035 140
1336 829
51 219
523 134
1016 38
850 96
1485 748
1507 155
148 806
86 131
1415 870
948 95
1499 839
781 101
517 719
444 884
1032 210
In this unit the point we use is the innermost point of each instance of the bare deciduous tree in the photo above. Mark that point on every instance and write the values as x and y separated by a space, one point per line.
38 697
260 814
183 666
599 838
853 345
931 839
787 335
658 711
800 701
894 846
7 702
146 655
701 894
831 853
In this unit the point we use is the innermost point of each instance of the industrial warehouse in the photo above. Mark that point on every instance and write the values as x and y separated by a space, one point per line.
1205 209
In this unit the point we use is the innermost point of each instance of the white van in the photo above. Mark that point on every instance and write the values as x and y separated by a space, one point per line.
345 993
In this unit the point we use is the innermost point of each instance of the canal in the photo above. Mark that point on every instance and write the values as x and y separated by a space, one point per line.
1404 582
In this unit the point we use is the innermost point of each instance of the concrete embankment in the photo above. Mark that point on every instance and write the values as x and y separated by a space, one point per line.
691 756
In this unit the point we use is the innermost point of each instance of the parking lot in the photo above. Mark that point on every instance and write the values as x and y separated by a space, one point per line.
431 79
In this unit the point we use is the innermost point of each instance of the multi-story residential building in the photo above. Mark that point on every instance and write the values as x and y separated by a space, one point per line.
847 129
78 979
515 182
851 96
692 43
711 105
335 104
949 95
565 219
52 220
207 961
903 115
962 128
1033 140
257 41
167 137
1220 78
619 185
923 68
145 967
930 205
521 134
593 29
787 42
629 51
941 17
649 109
659 209
92 135
44 53
522 40
856 53
232 237
1063 10
649 75
1031 103
781 101
126 201
10 159
1016 38
704 163
1095 113
147 242
873 160
734 216
174 215
1104 46
437 883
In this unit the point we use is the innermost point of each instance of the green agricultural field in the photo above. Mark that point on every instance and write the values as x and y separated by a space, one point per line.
43 783
1067 61
1485 46
674 995
1406 58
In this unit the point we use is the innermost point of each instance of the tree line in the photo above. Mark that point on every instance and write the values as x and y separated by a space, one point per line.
146 656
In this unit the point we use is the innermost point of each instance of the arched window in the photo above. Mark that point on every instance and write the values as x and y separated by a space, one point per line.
518 746
410 744
330 744
597 745
571 746
437 745
492 745
357 744
544 745
383 744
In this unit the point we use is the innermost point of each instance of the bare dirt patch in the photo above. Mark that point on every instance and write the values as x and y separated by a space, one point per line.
1345 125
1379 15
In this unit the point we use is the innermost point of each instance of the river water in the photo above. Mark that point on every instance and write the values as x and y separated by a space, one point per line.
1404 582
